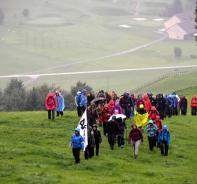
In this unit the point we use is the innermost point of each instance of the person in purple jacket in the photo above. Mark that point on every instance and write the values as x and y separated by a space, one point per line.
116 109
136 136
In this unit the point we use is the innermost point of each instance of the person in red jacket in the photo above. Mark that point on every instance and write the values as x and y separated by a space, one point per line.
158 123
104 117
50 104
136 136
193 105
153 113
110 106
147 103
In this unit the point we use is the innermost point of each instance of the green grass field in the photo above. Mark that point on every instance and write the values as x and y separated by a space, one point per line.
35 150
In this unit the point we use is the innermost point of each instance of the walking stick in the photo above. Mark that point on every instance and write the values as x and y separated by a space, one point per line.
126 138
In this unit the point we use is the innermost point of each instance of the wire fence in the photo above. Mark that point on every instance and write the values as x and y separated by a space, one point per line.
160 78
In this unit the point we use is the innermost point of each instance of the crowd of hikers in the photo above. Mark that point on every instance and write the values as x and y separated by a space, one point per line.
110 111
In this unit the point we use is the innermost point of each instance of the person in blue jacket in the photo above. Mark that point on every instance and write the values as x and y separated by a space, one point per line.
164 140
151 129
83 100
77 144
60 103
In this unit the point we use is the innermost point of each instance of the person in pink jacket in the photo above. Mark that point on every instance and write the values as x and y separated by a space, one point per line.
50 104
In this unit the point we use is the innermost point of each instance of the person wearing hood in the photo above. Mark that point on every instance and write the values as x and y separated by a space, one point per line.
193 105
151 129
136 137
121 127
50 104
112 131
158 123
153 113
98 139
147 103
104 117
110 106
60 103
164 140
83 100
77 144
117 109
125 104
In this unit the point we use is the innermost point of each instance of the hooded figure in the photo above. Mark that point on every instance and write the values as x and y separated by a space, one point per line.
136 137
112 131
77 144
164 140
117 109
98 139
151 129
60 103
50 104
104 117
147 103
83 100
125 104
121 127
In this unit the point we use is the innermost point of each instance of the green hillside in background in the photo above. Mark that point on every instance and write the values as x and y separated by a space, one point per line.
70 36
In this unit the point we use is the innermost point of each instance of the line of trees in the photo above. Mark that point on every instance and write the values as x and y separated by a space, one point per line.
15 97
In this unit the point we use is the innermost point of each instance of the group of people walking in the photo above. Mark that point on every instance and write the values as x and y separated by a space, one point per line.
110 112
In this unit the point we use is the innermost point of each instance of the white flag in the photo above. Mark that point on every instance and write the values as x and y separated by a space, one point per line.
83 125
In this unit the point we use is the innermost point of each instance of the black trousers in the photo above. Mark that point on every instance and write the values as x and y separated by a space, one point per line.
89 152
164 148
76 154
82 110
60 113
151 141
79 111
97 145
51 113
121 138
111 140
104 128
193 111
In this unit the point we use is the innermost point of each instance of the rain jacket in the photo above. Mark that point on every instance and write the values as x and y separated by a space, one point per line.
60 102
116 109
104 115
193 101
164 135
76 141
147 103
50 102
151 130
83 99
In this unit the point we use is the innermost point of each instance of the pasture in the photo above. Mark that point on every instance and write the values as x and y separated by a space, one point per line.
69 36
35 150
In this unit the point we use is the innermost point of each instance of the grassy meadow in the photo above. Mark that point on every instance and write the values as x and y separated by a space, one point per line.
34 150
75 36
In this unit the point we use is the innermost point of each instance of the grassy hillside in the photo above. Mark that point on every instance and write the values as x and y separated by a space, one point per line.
76 36
34 150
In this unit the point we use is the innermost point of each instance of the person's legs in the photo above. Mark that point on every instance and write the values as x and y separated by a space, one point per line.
161 147
166 148
137 144
53 114
58 113
97 148
104 128
61 113
49 114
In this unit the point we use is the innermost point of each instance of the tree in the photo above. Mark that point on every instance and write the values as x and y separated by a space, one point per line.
177 6
14 96
2 16
25 12
177 52
32 100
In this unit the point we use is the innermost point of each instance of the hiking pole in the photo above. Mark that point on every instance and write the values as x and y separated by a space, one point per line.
126 138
